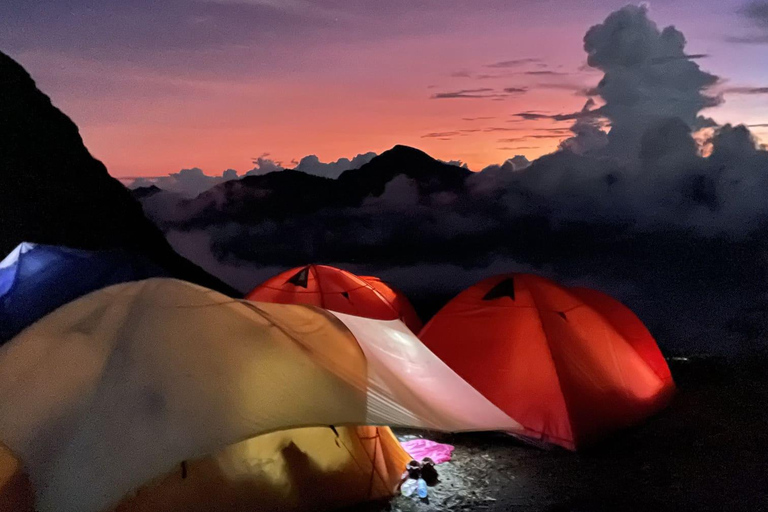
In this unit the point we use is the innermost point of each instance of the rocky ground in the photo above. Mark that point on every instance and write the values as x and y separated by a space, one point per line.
708 451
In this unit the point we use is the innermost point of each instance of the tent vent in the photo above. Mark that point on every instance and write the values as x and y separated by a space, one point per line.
301 278
345 294
562 314
506 288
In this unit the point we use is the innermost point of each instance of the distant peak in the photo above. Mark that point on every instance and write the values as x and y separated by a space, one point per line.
401 150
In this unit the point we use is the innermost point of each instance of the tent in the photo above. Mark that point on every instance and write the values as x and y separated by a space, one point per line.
398 300
35 279
110 392
316 468
569 365
337 290
313 468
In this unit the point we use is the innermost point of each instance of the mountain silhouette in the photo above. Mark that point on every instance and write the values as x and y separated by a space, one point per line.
53 191
280 195
429 174
145 192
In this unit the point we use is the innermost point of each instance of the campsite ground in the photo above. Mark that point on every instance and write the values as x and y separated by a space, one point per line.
708 451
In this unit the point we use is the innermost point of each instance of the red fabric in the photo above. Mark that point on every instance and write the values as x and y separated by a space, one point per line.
568 369
339 290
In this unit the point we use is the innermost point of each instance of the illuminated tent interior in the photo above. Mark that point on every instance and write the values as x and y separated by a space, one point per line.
571 365
337 290
111 392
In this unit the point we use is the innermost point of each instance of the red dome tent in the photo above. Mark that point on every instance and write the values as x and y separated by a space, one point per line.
337 290
570 365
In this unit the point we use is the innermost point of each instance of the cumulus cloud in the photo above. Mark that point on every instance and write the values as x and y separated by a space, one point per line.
647 77
264 165
516 163
186 182
312 165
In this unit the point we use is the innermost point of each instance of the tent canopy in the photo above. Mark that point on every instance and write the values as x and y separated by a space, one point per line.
116 388
337 290
35 279
569 365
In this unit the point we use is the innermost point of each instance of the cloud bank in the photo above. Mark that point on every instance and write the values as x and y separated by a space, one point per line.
647 199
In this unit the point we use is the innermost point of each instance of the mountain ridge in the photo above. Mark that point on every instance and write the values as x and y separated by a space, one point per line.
53 191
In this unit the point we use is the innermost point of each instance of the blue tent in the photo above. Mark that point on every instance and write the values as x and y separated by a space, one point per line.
35 279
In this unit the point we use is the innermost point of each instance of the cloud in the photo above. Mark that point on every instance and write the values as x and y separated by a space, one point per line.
546 73
746 90
483 118
513 63
516 163
639 200
264 165
515 90
439 135
756 12
311 164
186 182
483 92
669 58
647 76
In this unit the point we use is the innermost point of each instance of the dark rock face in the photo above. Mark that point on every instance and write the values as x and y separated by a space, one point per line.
53 191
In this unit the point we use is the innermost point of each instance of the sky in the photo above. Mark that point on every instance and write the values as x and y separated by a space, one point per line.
156 87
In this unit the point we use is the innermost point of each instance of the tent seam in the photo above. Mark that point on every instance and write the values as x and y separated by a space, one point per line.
554 366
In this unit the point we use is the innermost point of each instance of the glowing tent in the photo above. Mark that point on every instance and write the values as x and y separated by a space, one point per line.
35 279
112 391
337 290
570 366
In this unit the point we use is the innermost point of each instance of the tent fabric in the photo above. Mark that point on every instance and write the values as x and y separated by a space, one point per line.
35 279
570 366
16 494
337 290
398 301
304 469
116 388
630 327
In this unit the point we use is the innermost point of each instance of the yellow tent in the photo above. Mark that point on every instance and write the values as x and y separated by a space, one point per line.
109 393
313 468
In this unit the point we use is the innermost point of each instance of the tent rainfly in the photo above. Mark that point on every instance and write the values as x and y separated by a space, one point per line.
337 290
571 365
113 390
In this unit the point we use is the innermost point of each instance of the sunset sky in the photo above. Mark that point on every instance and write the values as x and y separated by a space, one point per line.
160 86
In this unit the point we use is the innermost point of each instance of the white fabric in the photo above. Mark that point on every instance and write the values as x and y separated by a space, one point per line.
116 388
410 386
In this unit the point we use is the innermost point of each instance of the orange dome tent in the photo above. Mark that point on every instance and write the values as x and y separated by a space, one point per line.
570 365
337 290
398 300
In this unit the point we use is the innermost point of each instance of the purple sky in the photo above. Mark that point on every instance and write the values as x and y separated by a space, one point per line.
158 86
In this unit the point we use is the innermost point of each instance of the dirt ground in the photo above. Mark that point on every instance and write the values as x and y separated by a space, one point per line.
707 451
